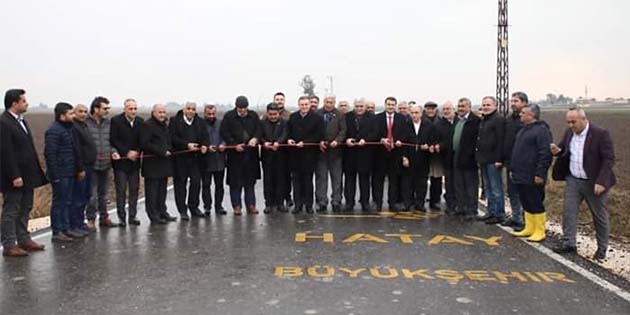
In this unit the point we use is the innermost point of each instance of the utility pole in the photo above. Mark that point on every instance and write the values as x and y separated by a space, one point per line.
503 92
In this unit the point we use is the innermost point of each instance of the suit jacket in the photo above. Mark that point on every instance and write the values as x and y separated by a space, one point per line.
335 129
124 138
598 160
420 160
273 132
391 161
155 140
359 159
465 157
182 134
309 129
214 161
18 154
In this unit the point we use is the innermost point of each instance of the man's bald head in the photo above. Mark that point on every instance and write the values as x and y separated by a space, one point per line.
576 119
159 112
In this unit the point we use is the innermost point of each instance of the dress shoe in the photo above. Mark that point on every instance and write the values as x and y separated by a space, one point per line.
336 208
207 213
297 209
106 223
565 249
268 210
75 234
600 254
169 218
484 217
434 207
159 222
309 209
195 213
31 246
366 208
135 222
14 252
421 209
91 225
237 210
322 208
282 208
378 208
220 211
184 217
494 220
252 210
122 224
61 238
348 208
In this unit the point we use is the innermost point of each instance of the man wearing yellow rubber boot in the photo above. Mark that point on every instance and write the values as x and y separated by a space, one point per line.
531 158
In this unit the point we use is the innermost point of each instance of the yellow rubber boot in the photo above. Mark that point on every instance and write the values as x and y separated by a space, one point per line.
539 229
529 226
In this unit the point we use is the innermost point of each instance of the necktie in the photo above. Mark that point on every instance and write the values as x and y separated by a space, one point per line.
390 128
22 124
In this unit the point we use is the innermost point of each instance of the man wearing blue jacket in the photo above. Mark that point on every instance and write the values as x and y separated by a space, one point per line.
63 167
531 158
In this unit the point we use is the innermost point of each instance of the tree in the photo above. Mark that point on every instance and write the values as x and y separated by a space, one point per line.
308 85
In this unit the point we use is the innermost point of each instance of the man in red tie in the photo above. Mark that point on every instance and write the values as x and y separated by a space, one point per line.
393 131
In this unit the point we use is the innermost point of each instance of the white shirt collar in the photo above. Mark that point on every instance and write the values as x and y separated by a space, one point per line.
16 116
584 131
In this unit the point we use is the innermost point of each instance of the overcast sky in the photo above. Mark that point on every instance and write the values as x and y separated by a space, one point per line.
212 51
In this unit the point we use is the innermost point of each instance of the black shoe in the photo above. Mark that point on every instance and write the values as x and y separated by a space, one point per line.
169 218
378 208
434 207
297 209
484 217
322 208
469 217
365 207
518 227
268 210
494 220
195 213
309 209
336 208
600 254
290 203
183 217
348 208
421 209
122 224
220 211
159 221
207 213
134 221
564 249
282 208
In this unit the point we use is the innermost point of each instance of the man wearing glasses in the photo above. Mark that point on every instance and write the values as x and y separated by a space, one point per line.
99 127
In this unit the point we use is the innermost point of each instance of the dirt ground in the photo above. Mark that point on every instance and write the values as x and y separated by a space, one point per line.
618 122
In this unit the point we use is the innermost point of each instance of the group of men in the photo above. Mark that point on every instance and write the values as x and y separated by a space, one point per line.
409 145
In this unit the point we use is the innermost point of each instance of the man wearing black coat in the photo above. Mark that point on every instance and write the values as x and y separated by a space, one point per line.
393 129
444 136
274 159
418 159
357 156
512 126
81 191
188 133
241 128
304 126
213 166
462 155
157 166
125 139
489 155
21 173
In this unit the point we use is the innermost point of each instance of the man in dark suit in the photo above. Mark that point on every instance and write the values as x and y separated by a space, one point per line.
418 159
125 139
440 158
586 157
304 126
157 166
393 129
464 166
274 159
21 173
188 133
213 166
358 157
241 128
